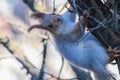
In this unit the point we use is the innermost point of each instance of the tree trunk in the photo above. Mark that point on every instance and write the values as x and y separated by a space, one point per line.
103 23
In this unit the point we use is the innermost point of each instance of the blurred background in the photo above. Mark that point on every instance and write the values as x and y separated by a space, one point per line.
32 56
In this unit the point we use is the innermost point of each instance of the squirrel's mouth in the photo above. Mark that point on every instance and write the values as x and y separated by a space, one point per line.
35 26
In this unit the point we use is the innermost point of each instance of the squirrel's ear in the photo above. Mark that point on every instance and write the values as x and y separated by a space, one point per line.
38 15
57 19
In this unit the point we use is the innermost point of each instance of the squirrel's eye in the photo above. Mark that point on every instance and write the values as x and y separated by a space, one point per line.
50 26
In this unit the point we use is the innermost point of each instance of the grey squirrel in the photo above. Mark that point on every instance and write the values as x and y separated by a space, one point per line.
88 53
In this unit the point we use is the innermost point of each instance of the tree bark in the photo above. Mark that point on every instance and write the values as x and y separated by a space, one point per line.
103 23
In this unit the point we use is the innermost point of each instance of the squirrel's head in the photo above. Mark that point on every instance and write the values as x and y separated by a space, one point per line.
50 22
60 25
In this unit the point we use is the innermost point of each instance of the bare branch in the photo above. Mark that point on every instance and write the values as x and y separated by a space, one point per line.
61 67
26 64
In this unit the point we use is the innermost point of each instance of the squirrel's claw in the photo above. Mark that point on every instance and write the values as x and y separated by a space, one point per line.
113 53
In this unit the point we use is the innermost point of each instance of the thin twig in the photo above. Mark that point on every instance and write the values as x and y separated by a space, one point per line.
6 57
63 7
115 13
61 67
26 64
81 24
54 9
41 74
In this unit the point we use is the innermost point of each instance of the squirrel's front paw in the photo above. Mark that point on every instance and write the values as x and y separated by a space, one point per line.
113 53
